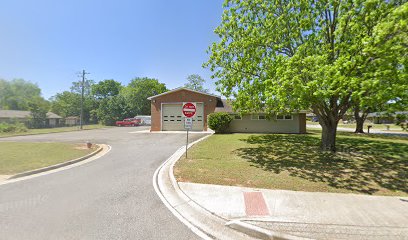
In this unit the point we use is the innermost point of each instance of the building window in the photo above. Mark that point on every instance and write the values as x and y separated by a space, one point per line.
237 117
283 117
258 117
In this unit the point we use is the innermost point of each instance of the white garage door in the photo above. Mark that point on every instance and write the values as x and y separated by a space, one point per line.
173 118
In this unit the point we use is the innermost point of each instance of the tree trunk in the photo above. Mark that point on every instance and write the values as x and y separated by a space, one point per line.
360 120
329 132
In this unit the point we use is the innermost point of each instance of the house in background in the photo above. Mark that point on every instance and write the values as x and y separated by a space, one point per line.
166 114
10 116
72 121
384 117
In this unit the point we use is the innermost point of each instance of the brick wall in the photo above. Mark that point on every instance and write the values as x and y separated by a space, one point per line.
178 97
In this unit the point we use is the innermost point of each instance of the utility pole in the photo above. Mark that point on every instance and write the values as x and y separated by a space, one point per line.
82 99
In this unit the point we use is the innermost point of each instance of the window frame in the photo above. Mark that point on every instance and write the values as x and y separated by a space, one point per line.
236 115
257 117
284 117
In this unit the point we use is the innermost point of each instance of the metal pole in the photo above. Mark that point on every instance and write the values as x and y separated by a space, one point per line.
187 143
82 100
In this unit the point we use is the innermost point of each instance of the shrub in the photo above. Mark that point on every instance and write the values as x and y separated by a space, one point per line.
400 118
219 122
12 128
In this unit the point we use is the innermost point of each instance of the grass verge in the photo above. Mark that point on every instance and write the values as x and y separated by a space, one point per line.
364 164
17 157
52 130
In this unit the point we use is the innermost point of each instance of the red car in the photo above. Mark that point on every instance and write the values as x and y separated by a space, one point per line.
131 122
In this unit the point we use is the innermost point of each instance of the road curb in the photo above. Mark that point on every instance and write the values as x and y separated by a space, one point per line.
259 232
59 165
202 222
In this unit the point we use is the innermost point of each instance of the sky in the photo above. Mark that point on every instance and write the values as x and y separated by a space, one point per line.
49 42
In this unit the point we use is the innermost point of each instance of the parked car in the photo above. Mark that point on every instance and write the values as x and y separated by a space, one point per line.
128 122
145 120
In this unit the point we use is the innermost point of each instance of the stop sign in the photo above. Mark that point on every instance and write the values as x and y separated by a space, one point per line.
189 109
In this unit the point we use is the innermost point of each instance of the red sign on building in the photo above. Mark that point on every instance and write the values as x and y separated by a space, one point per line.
189 109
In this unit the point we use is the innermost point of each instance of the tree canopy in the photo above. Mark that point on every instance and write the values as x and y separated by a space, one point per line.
17 94
196 82
137 92
284 56
106 88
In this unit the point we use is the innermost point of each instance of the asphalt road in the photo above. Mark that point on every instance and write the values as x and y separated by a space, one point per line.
109 198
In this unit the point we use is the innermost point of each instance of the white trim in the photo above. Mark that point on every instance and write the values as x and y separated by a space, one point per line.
257 116
182 88
158 189
284 119
262 115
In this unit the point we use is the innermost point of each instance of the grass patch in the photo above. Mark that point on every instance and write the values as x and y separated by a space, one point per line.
19 157
51 130
368 165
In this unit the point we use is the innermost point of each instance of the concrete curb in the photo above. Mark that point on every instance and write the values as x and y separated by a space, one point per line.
59 165
202 222
259 232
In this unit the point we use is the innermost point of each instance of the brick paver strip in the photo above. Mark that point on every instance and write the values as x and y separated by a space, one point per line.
255 204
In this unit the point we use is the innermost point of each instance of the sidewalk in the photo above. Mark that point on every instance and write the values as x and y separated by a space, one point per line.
305 214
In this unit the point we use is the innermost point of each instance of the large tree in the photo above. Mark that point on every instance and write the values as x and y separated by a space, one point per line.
68 103
196 82
76 87
38 115
106 88
110 107
113 109
17 94
283 56
137 92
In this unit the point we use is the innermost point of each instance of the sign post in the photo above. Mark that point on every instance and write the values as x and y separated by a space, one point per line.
189 110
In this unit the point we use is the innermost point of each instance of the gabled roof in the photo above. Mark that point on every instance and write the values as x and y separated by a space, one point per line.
183 88
22 114
14 114
225 106
52 115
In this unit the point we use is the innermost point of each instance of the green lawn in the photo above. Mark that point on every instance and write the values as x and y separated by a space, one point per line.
18 157
364 164
52 130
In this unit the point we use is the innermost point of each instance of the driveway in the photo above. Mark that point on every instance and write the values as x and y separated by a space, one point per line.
109 198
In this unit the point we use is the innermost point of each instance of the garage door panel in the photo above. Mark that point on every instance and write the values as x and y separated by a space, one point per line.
173 119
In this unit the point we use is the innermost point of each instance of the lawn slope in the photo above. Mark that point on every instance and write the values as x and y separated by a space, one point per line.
368 165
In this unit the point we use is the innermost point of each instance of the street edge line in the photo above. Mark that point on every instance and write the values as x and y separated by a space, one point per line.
192 227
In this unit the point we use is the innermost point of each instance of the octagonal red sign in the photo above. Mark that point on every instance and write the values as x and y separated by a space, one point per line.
189 109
